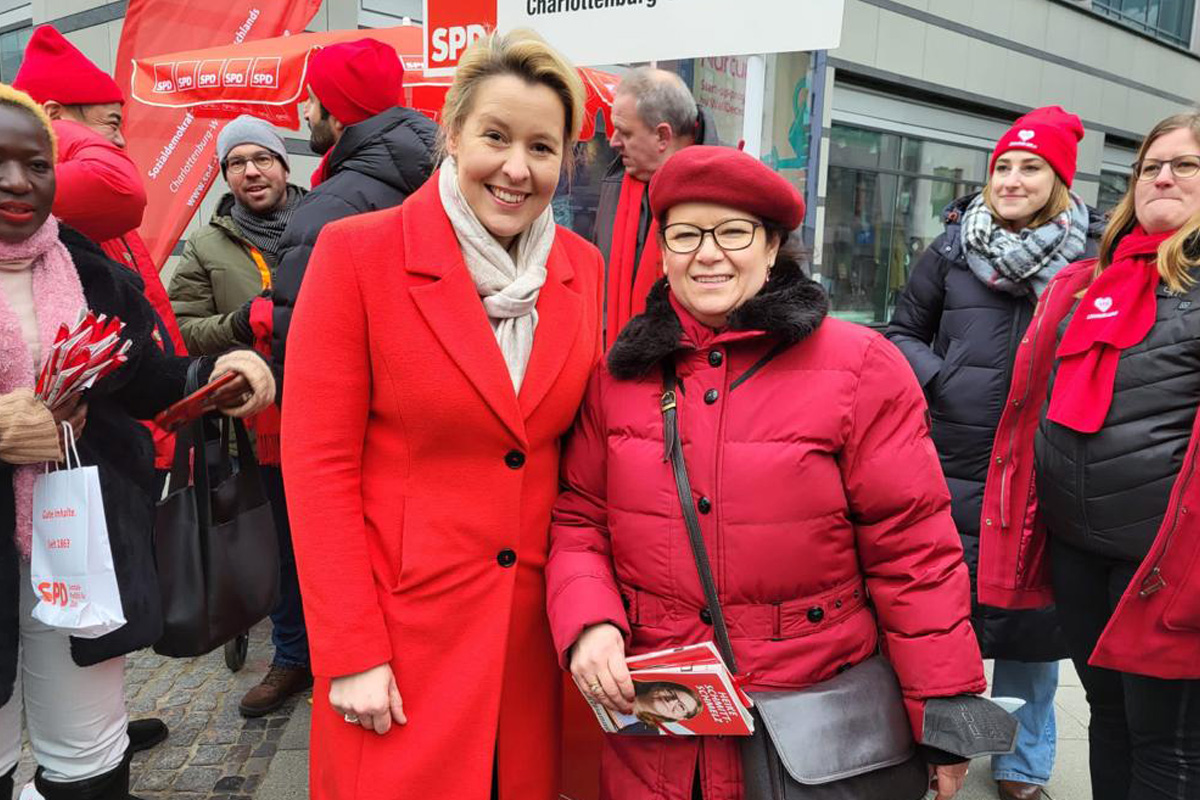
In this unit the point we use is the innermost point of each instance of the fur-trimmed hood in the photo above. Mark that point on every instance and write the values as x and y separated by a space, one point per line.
790 307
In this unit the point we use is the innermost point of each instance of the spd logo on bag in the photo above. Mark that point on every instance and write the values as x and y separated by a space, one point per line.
71 567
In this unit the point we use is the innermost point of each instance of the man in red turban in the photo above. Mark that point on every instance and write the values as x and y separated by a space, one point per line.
376 153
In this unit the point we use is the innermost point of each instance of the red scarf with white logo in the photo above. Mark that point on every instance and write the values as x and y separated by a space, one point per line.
1116 312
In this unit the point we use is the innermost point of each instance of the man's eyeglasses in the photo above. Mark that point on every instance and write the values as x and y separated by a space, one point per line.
1181 167
733 234
261 161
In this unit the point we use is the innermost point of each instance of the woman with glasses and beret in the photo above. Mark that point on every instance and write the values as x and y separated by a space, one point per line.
1091 494
813 475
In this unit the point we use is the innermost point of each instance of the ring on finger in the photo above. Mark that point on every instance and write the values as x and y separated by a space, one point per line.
351 718
595 688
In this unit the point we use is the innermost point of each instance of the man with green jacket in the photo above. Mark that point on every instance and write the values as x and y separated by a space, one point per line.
225 266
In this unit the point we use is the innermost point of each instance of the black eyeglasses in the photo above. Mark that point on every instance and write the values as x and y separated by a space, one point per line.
261 161
730 235
1181 167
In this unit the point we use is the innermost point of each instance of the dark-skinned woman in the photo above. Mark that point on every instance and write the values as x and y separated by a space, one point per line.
68 693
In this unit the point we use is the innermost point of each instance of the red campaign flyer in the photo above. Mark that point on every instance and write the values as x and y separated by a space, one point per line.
682 693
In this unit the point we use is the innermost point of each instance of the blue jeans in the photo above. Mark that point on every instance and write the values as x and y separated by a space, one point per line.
1037 736
288 634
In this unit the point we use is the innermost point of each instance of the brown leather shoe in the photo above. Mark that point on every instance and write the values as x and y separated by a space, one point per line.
1018 790
277 686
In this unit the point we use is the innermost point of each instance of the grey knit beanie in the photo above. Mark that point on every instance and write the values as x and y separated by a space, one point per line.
250 130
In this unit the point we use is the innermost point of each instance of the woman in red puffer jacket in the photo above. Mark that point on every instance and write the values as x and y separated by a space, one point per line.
820 495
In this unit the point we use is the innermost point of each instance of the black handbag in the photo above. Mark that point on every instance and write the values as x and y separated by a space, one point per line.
215 545
846 738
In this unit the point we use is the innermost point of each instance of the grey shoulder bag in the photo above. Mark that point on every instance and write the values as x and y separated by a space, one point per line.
846 738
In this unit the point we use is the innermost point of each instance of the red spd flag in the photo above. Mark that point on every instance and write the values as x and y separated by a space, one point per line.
267 77
174 147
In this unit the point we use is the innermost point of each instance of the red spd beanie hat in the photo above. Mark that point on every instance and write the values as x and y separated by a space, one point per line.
54 69
728 177
1049 132
356 80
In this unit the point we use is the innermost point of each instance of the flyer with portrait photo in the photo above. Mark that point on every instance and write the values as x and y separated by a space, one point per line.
685 691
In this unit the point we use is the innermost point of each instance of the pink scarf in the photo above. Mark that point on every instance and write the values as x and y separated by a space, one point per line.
58 299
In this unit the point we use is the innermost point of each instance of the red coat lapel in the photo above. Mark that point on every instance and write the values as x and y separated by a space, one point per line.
560 313
451 306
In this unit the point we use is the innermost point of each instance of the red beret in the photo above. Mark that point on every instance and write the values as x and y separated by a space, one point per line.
356 80
54 69
1048 132
728 177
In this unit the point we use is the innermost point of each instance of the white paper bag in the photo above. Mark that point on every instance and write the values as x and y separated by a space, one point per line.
72 566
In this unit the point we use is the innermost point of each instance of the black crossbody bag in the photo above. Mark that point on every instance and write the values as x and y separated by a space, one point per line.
846 738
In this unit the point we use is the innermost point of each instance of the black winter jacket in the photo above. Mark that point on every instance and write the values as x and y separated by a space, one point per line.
122 450
376 164
961 339
1107 492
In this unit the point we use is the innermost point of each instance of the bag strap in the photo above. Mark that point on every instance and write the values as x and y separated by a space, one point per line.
247 459
190 457
673 444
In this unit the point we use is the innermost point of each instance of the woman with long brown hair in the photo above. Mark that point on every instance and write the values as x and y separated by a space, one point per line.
1090 492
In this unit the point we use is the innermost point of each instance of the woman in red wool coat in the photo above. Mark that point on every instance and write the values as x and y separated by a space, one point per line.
813 474
439 351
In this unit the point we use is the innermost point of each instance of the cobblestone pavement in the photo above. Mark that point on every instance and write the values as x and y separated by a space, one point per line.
212 753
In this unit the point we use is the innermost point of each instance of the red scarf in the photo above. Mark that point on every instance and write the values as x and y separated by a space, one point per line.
318 176
629 283
1117 312
267 423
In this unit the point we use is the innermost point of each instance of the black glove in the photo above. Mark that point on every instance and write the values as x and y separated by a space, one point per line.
969 726
240 320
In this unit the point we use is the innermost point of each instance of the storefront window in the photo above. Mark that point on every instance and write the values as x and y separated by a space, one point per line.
12 49
1113 186
719 86
1169 20
883 206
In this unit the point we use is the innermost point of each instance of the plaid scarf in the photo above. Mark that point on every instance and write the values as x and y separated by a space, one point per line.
1022 263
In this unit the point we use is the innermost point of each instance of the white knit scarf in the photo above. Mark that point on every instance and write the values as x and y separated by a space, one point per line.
509 289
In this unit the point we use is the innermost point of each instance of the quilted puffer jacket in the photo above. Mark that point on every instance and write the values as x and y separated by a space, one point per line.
820 498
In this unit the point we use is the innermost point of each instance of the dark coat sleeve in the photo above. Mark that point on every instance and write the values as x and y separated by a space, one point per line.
918 315
314 212
155 379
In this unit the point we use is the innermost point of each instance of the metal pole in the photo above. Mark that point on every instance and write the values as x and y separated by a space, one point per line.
756 92
816 134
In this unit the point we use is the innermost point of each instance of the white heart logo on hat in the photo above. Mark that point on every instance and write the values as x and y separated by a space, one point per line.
1104 304
1026 134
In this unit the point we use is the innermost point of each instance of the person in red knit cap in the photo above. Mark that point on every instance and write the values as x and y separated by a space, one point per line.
100 194
376 153
967 303
1091 495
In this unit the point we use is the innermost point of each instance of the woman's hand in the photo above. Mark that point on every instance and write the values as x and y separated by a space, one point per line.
74 411
369 699
251 391
598 666
948 779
